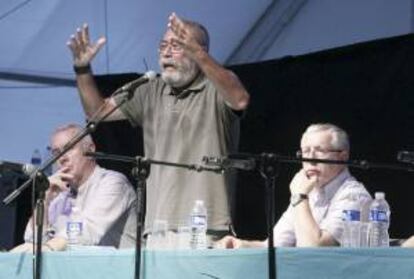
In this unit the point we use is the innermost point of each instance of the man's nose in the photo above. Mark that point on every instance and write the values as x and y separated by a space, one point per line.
166 53
312 154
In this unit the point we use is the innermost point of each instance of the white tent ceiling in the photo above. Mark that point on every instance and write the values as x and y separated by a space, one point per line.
36 68
35 33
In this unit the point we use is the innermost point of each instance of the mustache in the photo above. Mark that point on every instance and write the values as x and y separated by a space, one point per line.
169 62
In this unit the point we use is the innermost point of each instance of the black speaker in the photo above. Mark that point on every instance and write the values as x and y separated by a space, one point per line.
13 217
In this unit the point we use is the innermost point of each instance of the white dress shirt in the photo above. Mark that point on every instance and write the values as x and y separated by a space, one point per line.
107 207
327 204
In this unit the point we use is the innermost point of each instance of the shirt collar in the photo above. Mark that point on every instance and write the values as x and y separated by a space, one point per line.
82 188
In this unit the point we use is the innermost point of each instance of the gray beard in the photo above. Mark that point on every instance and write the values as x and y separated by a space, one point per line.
180 79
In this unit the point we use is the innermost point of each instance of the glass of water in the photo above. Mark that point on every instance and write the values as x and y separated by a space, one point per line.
183 237
157 239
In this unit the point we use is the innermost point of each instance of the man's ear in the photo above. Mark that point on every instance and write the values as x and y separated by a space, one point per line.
90 147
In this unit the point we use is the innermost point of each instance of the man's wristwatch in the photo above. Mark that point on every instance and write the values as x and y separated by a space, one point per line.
296 199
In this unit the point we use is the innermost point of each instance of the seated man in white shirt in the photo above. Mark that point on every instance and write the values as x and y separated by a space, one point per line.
319 193
105 200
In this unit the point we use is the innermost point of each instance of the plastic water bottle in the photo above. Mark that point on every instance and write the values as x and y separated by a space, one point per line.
351 218
379 218
36 159
74 228
198 223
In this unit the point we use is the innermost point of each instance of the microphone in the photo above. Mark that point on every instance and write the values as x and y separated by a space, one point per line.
406 156
131 86
230 163
25 169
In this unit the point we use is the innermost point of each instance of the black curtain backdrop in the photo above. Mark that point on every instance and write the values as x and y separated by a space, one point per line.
367 89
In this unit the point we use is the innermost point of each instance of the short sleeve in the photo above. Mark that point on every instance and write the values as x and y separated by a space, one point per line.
332 223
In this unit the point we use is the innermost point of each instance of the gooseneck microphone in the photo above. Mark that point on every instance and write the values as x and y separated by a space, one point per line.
25 169
131 86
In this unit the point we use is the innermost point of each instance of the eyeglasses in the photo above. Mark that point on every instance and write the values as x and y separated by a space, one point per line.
174 47
57 150
318 152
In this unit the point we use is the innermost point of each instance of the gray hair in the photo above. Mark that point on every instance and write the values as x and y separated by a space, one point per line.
201 33
340 139
74 129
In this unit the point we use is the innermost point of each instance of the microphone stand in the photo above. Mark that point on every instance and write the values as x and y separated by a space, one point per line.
267 164
41 184
141 171
269 172
90 127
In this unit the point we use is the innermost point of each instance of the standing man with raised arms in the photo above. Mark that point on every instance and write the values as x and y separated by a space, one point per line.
192 110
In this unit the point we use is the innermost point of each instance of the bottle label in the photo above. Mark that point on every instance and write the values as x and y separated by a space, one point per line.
36 161
73 230
198 220
378 216
351 215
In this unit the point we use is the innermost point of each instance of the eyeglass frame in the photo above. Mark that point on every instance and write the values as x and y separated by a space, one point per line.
173 46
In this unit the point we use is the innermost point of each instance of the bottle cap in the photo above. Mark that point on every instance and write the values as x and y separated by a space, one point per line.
379 195
199 202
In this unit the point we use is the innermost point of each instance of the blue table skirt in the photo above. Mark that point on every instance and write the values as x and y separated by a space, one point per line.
292 263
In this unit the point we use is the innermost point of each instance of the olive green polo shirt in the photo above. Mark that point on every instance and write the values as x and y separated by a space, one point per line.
182 127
